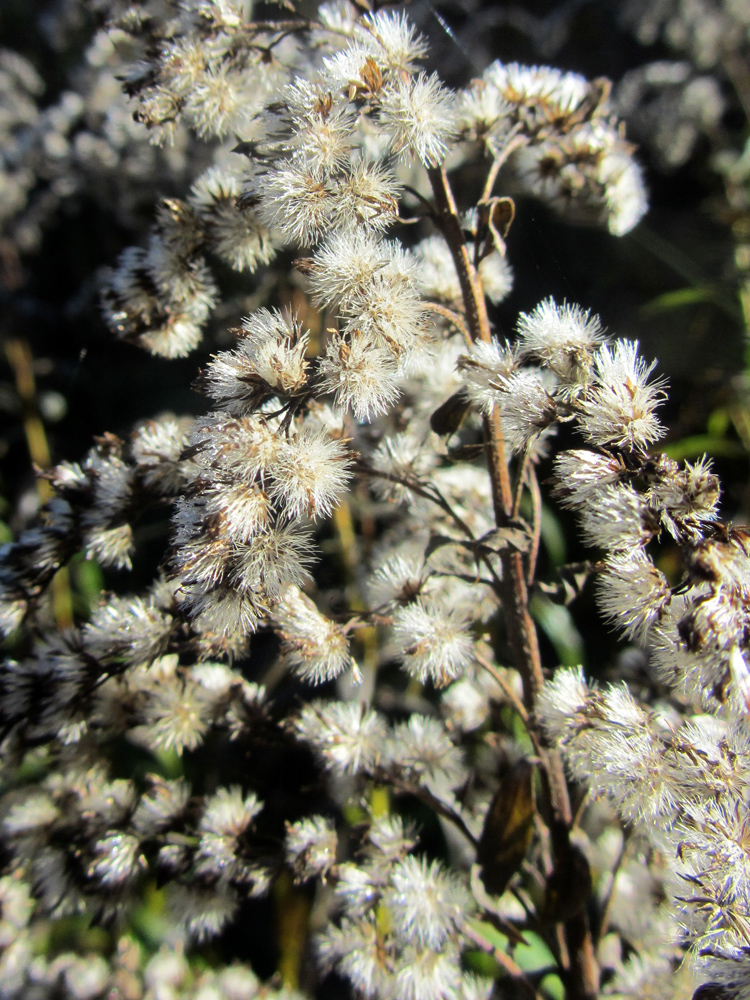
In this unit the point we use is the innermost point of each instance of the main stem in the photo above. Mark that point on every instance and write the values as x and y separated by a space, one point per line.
582 972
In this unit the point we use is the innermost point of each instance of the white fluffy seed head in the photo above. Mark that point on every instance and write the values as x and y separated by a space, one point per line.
619 409
433 641
419 114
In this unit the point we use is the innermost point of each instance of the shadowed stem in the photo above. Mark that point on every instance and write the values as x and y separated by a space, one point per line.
581 975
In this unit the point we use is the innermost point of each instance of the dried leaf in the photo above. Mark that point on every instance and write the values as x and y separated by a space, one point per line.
448 417
508 829
513 537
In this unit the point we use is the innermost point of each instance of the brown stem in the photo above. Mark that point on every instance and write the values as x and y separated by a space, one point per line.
453 317
581 974
512 968
536 524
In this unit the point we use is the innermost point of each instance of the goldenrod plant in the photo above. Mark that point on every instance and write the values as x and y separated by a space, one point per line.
354 560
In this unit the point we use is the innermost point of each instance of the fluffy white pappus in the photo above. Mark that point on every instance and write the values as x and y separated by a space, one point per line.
625 190
526 406
223 614
436 273
423 749
310 847
390 838
618 521
465 705
391 312
612 745
316 648
322 125
203 559
419 114
202 912
560 701
433 641
229 812
156 448
273 560
359 889
355 949
12 614
428 975
113 486
496 276
717 620
345 265
110 546
427 904
223 101
632 593
366 196
236 235
393 40
270 358
485 369
117 859
242 509
338 18
687 499
402 457
559 94
310 473
398 579
362 374
176 337
35 812
437 276
183 281
240 448
159 298
346 736
130 629
483 114
296 201
619 407
69 476
16 906
695 675
561 336
353 68
161 806
175 716
581 474
588 175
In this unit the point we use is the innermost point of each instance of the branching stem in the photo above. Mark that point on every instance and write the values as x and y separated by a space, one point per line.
581 974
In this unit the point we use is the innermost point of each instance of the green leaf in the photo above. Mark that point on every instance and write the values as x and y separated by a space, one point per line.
553 537
553 987
533 956
678 299
557 624
703 444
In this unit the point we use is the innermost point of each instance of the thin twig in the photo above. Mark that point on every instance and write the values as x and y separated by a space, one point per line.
426 796
582 977
453 317
607 902
511 967
520 484
515 143
509 692
536 524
